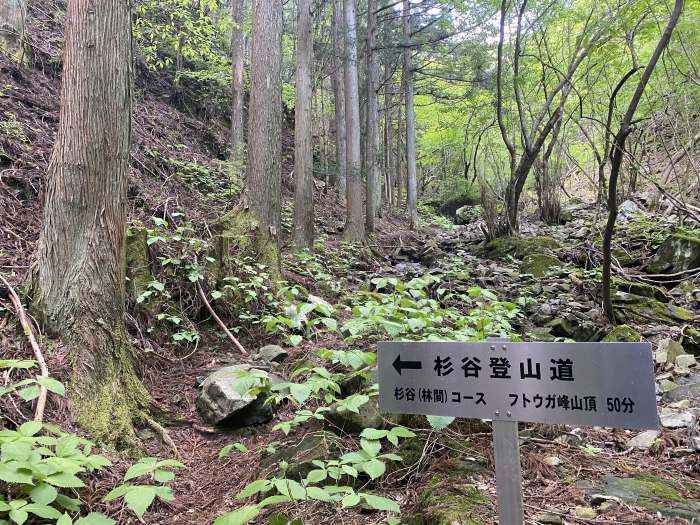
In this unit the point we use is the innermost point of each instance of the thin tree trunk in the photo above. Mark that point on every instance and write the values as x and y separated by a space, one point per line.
80 279
237 59
354 225
388 138
303 146
618 154
373 150
399 154
339 58
411 183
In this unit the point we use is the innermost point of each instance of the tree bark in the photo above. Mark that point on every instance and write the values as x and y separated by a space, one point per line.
354 224
388 137
411 183
340 177
618 154
303 147
263 183
238 94
80 278
373 148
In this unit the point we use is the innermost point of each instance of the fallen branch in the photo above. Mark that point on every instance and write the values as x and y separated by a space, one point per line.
164 435
219 321
27 327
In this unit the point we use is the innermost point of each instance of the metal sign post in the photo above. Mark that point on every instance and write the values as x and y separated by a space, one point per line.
596 384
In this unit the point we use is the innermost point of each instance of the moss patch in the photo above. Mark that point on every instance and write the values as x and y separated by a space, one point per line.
641 309
138 261
623 334
679 252
448 500
539 264
520 247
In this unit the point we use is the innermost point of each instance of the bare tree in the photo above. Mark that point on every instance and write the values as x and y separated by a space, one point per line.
618 153
303 146
408 88
80 278
354 224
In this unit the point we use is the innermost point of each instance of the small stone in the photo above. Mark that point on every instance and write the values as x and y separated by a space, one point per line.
272 354
665 375
672 348
683 404
686 361
599 499
695 442
552 461
672 419
666 385
549 519
644 440
569 439
661 357
313 299
585 513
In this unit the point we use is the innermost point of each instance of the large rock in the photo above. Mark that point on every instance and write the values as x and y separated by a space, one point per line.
622 334
300 455
640 309
653 494
690 391
679 252
450 499
520 247
691 341
220 403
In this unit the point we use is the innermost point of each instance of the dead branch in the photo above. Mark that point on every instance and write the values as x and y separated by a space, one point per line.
220 322
27 327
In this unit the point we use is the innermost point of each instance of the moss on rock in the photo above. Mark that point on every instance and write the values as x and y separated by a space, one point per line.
450 500
679 252
623 334
539 264
520 247
639 309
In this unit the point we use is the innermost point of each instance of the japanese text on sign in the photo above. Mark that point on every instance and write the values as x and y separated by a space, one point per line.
605 384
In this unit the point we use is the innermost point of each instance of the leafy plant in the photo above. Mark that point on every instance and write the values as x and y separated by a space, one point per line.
139 498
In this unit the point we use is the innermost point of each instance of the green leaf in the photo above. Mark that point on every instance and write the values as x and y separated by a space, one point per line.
64 520
163 476
319 494
139 469
380 503
30 393
259 485
95 518
117 492
351 500
299 392
371 447
30 428
373 433
295 339
43 494
440 422
52 385
139 499
12 472
316 476
239 517
64 480
18 516
290 488
67 503
43 511
374 468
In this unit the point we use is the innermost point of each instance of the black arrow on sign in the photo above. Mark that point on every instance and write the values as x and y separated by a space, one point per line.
406 365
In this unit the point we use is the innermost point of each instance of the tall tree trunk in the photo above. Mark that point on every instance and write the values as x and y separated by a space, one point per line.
237 59
373 149
411 183
618 154
263 183
354 224
388 137
13 14
80 279
303 146
340 178
400 157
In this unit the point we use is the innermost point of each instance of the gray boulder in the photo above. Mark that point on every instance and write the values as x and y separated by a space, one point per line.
679 252
220 403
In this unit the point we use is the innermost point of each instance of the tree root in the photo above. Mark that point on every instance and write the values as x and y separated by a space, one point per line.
162 432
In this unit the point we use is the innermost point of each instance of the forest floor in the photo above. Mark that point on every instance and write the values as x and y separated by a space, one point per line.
571 475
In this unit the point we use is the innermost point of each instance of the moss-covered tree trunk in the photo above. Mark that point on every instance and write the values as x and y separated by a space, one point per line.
80 278
12 20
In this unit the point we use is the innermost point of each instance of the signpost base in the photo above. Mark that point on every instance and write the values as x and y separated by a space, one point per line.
508 476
